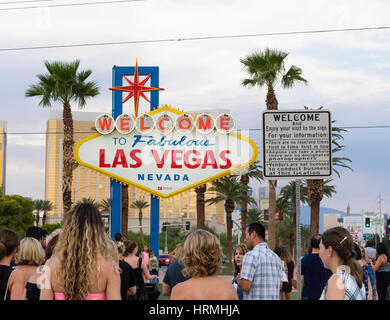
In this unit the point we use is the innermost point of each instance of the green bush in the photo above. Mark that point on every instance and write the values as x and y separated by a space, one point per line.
16 214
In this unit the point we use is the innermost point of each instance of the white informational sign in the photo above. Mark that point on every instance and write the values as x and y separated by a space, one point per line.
156 157
297 144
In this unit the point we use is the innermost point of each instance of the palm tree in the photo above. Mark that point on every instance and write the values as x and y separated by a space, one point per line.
125 210
105 205
88 200
63 83
47 206
316 190
38 207
267 69
289 194
254 171
285 232
316 187
140 204
229 190
200 206
255 215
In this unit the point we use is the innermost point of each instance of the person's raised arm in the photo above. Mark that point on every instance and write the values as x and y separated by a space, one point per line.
377 264
245 277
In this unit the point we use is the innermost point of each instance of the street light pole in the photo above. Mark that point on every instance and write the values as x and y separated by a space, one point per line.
166 243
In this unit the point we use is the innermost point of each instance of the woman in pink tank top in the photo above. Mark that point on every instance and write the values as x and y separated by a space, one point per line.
81 267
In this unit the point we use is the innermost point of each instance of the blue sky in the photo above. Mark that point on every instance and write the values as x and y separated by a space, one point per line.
348 73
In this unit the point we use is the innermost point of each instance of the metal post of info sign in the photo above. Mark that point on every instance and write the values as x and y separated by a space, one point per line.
297 144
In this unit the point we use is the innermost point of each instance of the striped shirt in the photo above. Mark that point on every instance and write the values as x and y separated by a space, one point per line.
352 290
264 269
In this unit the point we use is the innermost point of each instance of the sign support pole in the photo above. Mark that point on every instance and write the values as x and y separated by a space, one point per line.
116 188
116 192
154 201
298 233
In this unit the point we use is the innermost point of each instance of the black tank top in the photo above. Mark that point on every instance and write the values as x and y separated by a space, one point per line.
139 279
5 272
32 291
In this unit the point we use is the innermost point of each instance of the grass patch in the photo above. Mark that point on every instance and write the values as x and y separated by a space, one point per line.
227 269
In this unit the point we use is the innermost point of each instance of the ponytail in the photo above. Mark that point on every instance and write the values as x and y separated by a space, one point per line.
356 271
9 241
3 249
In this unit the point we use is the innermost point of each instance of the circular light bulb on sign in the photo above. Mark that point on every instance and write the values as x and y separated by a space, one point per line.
185 123
105 124
124 123
165 124
224 123
144 123
204 123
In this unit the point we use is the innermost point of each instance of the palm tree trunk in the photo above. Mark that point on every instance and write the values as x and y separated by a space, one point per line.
125 210
244 213
272 104
141 233
272 211
315 192
271 101
67 153
37 219
200 206
44 218
314 218
244 207
229 229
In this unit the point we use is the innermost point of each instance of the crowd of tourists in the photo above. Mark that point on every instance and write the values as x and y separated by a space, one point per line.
80 262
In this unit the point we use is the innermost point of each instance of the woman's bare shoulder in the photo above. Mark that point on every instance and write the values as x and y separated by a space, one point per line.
226 288
179 291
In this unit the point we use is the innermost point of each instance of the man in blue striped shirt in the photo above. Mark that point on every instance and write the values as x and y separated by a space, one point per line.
262 270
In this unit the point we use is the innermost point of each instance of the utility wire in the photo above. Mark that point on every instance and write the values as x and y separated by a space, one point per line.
16 2
191 38
67 4
249 129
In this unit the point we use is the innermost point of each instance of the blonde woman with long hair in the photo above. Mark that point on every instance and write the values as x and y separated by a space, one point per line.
81 267
202 262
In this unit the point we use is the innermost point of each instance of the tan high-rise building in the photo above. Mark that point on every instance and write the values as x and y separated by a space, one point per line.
90 184
3 153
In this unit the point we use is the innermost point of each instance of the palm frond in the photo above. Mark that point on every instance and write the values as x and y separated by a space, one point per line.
292 76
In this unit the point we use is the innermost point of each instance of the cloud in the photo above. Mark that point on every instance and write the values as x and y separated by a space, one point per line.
347 72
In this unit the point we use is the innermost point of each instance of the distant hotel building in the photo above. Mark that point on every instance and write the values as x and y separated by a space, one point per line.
332 220
88 183
3 153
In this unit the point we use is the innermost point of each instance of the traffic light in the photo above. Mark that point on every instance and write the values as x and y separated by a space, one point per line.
368 222
164 227
266 215
188 224
388 228
277 216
